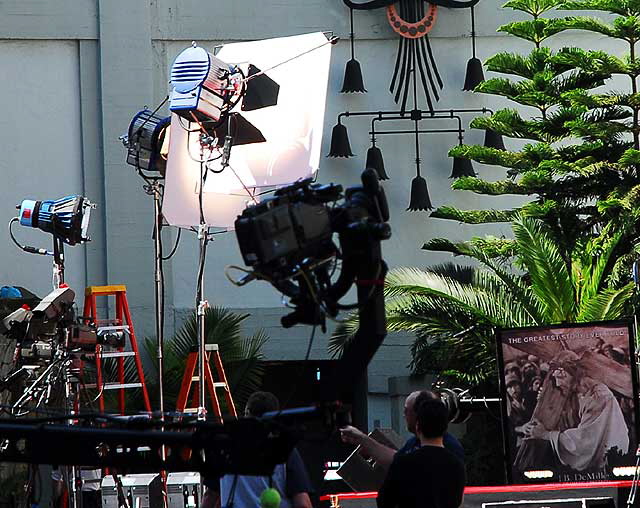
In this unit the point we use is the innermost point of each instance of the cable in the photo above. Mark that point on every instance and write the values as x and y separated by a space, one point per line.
251 274
175 246
26 248
333 40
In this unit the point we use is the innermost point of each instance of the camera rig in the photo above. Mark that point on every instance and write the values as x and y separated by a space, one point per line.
287 240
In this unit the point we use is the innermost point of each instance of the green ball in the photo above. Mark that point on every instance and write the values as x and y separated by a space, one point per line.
270 498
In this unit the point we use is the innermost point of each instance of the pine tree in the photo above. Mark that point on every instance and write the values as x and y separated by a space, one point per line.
580 168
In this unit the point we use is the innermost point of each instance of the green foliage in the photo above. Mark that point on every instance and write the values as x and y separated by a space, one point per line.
241 356
533 7
620 7
581 168
472 216
436 303
536 30
492 246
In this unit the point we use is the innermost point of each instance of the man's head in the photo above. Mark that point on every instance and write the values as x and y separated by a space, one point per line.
432 417
512 368
260 403
514 387
566 370
536 383
409 407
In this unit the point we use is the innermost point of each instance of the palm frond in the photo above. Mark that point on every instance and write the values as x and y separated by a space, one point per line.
550 279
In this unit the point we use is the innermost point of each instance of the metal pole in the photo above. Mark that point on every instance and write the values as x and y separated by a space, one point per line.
202 306
159 303
159 293
201 303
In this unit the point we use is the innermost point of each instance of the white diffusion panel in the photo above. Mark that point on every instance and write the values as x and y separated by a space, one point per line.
293 127
224 197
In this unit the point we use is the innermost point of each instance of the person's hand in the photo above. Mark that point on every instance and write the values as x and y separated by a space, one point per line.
352 435
535 431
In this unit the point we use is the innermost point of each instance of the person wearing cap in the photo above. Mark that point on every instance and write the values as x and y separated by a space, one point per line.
516 409
601 425
517 412
512 368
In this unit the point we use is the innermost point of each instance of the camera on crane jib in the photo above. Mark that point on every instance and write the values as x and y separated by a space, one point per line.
278 234
288 241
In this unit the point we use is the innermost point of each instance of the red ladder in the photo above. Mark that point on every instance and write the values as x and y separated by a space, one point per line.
121 323
188 379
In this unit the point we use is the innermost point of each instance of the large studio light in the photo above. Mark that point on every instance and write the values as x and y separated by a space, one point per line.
292 130
144 141
205 87
66 218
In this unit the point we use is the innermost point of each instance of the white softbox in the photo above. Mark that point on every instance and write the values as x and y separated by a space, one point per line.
292 129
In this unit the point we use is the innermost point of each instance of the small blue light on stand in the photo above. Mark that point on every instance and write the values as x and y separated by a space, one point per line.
67 219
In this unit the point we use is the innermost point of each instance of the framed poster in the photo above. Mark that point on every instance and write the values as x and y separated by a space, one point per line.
569 401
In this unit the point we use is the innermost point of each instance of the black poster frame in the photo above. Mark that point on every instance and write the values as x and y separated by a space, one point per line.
542 334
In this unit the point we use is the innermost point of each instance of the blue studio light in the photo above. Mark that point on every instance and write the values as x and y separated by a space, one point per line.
66 218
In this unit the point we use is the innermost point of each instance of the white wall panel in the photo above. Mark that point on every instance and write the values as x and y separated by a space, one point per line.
41 151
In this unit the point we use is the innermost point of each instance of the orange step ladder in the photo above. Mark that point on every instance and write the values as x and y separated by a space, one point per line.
189 378
121 324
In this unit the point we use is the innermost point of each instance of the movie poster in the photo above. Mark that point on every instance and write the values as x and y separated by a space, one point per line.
568 401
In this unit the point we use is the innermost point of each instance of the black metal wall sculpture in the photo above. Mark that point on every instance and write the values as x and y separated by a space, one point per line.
340 146
412 20
415 68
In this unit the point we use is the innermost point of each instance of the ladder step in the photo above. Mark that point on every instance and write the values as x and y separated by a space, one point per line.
113 328
118 354
115 386
211 347
105 290
217 384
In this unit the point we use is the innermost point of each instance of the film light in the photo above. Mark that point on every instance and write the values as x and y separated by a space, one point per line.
144 141
203 85
66 218
206 88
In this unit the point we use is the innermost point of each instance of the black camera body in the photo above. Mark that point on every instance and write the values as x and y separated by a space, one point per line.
288 241
278 234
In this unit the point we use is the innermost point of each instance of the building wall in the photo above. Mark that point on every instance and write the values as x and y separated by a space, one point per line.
76 71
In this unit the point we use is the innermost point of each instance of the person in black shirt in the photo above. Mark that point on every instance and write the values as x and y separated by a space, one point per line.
430 476
383 455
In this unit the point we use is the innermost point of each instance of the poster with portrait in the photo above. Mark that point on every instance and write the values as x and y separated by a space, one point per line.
569 407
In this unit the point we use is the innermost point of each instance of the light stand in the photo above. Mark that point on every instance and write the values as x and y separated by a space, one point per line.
144 142
58 259
201 303
154 188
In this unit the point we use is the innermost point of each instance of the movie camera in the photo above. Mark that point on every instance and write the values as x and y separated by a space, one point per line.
288 241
